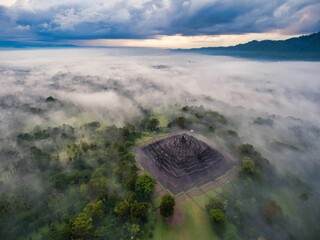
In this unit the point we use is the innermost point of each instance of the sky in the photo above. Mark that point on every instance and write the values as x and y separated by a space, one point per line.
156 23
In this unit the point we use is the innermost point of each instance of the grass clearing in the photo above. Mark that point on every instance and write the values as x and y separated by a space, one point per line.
163 121
195 225
147 136
211 193
201 200
218 190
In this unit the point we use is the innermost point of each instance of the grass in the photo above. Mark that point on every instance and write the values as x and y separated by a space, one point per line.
147 136
163 121
212 193
195 224
201 200
218 190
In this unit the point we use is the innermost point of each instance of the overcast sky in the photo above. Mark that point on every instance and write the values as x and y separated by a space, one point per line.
156 23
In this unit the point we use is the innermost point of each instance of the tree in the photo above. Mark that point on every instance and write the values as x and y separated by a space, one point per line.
180 122
304 197
231 233
167 205
138 211
98 186
216 203
217 215
50 99
145 186
134 229
248 166
246 150
81 226
272 211
94 209
122 208
153 124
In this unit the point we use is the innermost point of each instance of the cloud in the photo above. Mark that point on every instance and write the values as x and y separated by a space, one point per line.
111 84
139 19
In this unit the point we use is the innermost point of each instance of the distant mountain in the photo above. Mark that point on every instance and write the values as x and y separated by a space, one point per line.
14 44
299 48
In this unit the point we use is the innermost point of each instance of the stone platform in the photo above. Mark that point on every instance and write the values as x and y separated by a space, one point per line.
181 162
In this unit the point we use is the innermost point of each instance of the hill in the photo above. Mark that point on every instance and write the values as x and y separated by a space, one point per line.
299 48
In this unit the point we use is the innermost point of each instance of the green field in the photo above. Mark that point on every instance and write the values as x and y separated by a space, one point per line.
147 136
195 225
195 222
163 121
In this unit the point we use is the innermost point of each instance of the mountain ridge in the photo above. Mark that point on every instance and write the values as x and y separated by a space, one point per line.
305 47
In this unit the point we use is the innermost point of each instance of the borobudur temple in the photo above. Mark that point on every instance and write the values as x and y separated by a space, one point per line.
181 162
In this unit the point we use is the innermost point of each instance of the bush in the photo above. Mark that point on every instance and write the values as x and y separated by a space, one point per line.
167 205
217 215
145 186
248 166
272 211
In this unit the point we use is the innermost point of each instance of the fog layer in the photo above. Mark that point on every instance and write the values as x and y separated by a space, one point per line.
111 85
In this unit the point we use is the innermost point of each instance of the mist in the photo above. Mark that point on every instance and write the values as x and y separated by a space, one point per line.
272 105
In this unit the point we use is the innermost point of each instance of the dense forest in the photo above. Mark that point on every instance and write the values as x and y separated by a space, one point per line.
82 182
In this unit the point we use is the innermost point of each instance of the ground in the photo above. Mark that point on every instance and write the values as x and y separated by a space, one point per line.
190 220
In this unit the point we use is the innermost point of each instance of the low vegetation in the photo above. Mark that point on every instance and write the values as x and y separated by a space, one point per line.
167 205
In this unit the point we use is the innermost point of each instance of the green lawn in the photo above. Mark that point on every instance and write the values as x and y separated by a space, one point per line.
211 193
196 224
147 136
163 121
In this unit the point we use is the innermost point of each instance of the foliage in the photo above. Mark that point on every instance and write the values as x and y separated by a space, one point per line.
152 124
167 205
77 198
145 186
262 165
231 233
272 211
50 99
134 229
81 226
216 203
248 166
95 210
122 208
216 209
139 212
217 215
180 122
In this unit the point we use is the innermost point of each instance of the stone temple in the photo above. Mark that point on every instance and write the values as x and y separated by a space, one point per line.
181 162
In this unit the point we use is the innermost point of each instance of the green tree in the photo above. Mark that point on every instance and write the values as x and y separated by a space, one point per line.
138 211
167 205
246 150
122 208
145 186
216 203
217 215
81 226
134 229
153 124
98 186
248 166
94 210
